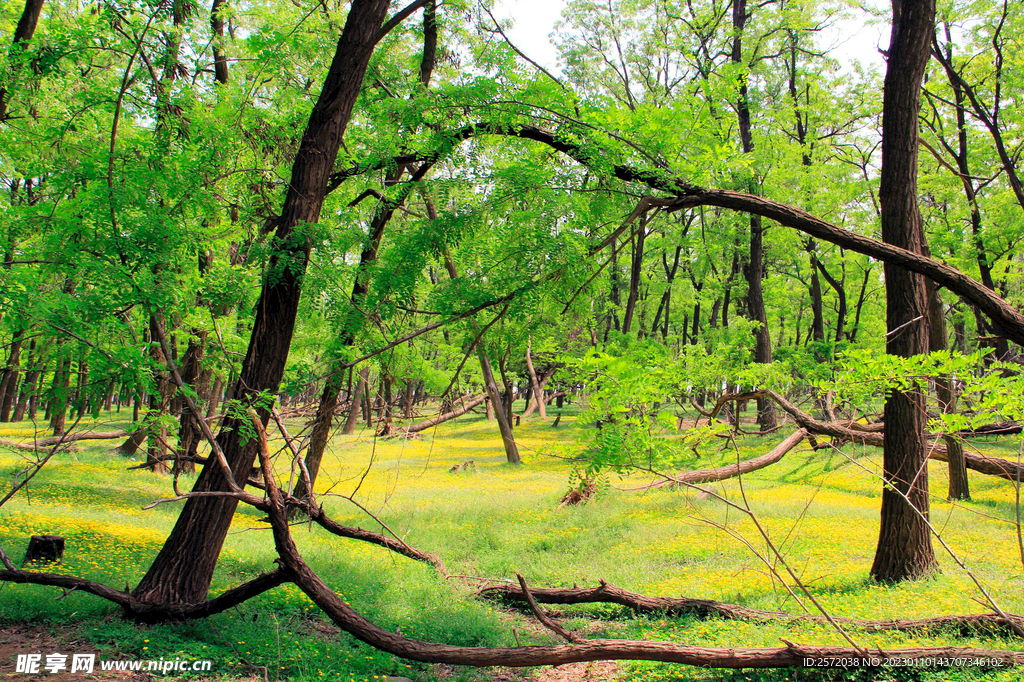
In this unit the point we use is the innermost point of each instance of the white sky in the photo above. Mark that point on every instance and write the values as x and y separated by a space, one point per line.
855 39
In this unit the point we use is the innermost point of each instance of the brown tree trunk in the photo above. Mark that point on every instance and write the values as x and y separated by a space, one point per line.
22 34
156 432
28 391
904 544
959 487
59 401
215 396
464 407
188 424
817 306
220 62
324 418
500 413
182 571
357 402
754 269
536 396
9 383
636 267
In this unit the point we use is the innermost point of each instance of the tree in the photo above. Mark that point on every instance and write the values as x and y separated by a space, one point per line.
904 540
182 571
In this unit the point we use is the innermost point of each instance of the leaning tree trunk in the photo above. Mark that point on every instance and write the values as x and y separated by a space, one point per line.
324 418
500 413
904 543
183 570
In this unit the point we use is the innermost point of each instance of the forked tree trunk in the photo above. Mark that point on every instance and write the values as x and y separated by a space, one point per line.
904 543
182 571
500 414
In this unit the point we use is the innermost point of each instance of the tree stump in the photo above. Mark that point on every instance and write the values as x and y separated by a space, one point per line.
44 549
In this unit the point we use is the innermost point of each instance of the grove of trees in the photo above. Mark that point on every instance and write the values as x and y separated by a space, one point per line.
221 216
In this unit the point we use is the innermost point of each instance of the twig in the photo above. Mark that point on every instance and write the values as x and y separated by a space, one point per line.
158 327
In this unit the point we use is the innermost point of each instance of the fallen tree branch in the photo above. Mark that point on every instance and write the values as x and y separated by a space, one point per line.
992 466
69 438
543 617
606 593
462 409
350 621
152 613
732 470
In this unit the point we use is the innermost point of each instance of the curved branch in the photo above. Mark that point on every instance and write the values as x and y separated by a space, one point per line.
686 195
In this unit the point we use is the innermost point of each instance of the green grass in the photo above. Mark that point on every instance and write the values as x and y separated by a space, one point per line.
498 520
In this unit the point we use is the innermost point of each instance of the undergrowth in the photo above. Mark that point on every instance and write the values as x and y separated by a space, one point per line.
493 520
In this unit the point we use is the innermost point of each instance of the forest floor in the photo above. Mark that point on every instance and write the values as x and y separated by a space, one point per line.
487 522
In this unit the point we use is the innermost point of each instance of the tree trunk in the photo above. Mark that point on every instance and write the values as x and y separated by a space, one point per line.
59 400
22 34
754 269
536 397
904 544
959 487
817 306
494 394
182 571
28 391
220 62
462 409
357 402
188 428
636 267
9 383
215 395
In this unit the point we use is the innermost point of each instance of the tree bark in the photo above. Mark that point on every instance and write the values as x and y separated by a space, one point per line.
636 267
22 34
357 402
754 268
904 542
182 571
959 486
188 430
536 395
9 383
30 385
220 62
59 400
